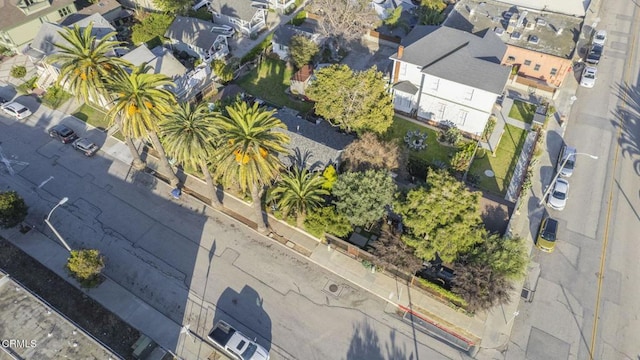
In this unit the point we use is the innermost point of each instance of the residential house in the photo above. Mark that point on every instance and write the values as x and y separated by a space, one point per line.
541 45
446 76
43 45
110 10
20 20
282 5
162 61
300 80
197 37
282 38
246 16
576 8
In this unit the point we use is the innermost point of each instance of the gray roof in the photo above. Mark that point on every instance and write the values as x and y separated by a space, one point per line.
240 9
102 7
160 59
458 56
406 87
557 33
192 31
284 33
11 16
321 143
101 27
569 7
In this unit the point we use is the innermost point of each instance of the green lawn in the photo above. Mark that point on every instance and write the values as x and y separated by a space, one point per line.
503 164
522 111
269 81
92 116
433 153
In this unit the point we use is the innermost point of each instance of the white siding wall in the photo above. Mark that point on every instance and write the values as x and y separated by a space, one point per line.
466 118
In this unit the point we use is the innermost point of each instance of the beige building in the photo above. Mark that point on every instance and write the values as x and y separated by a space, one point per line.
20 20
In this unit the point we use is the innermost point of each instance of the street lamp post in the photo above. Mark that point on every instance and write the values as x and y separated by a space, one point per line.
46 221
564 162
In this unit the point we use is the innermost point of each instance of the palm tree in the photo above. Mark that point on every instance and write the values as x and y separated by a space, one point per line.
86 67
140 102
299 191
249 147
188 136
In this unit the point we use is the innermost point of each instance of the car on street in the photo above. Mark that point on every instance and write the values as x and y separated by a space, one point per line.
566 161
86 146
559 194
63 134
589 76
600 37
16 110
547 235
595 53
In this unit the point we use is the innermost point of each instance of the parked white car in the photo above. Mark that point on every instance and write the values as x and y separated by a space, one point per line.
16 110
559 195
600 37
589 76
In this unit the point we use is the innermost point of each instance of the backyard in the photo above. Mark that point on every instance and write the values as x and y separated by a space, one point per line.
502 164
522 111
269 81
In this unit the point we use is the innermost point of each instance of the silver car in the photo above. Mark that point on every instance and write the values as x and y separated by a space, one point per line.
559 194
85 146
600 37
16 110
589 76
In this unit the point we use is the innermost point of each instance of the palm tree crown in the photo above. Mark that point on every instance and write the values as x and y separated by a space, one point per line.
299 191
85 62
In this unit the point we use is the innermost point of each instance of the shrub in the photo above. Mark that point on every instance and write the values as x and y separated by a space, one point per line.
253 53
327 220
462 159
330 175
55 96
444 293
18 72
85 265
451 136
488 129
152 26
27 86
299 18
13 209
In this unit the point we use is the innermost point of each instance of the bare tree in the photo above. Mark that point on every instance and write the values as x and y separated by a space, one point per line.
345 20
369 152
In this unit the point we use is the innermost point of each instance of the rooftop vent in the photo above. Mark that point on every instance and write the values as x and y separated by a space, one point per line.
521 19
499 31
534 39
541 22
516 36
529 25
507 15
559 32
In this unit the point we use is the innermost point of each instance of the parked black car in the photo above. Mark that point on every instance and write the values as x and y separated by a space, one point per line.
595 53
63 133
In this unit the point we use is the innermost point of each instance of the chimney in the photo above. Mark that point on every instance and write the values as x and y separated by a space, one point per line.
396 68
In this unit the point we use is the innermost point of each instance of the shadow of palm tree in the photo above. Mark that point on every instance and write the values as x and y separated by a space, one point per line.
365 345
627 122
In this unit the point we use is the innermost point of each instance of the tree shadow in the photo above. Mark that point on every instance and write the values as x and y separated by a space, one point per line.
627 122
366 345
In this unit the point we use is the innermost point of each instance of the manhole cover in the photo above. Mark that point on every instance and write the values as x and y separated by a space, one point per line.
488 173
333 288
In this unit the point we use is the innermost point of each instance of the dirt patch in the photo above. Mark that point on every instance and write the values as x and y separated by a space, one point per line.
67 299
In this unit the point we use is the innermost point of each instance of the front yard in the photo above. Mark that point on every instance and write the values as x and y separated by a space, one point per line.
92 116
502 164
269 81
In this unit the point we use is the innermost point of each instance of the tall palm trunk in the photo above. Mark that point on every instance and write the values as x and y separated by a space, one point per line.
300 219
138 164
256 197
213 193
164 163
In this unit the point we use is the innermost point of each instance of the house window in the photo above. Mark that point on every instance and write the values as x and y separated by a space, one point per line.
29 2
554 71
468 95
511 59
64 11
537 67
434 84
441 108
527 62
462 117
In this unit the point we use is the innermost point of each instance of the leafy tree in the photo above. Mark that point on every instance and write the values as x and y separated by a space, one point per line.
369 152
189 137
299 191
480 285
394 18
151 26
431 12
327 220
13 209
443 218
174 6
363 196
223 70
346 20
451 135
141 101
250 145
18 71
391 251
507 256
354 101
85 265
462 158
330 177
302 50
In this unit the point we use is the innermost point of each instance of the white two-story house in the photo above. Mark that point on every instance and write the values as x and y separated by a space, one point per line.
448 76
246 16
197 37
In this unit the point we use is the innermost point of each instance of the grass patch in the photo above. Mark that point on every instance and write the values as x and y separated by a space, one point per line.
433 154
55 96
522 111
92 116
269 81
118 135
503 164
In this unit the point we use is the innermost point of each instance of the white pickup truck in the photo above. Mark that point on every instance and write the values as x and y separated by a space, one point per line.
236 344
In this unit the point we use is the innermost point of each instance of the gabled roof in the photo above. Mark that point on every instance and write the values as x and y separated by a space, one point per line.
161 60
303 74
192 31
457 56
102 7
406 87
101 27
284 33
11 15
240 9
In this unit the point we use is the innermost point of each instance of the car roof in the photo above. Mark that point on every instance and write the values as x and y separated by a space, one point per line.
60 127
562 185
84 142
552 225
14 105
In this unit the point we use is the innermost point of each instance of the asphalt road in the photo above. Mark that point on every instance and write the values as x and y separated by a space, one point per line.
194 265
586 305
